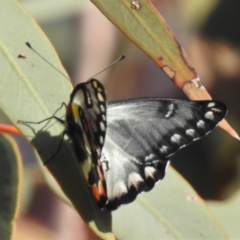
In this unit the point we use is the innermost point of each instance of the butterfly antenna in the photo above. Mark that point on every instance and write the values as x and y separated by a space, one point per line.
116 61
29 45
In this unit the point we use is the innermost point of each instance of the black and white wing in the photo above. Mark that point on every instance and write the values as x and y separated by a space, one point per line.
142 135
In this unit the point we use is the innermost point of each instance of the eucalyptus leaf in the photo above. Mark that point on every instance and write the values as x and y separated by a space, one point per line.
228 214
172 210
32 89
10 184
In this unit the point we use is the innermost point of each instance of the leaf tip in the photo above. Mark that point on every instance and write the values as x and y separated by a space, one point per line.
226 127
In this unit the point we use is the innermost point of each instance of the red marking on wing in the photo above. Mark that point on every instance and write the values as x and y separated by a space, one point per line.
94 146
100 173
95 192
99 193
101 189
85 125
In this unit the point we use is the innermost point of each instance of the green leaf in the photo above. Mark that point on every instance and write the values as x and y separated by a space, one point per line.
228 214
32 90
172 210
147 29
10 175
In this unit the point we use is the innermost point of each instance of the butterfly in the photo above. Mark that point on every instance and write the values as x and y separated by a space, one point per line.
127 144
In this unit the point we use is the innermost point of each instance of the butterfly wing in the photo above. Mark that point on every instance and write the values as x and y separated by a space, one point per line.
143 134
86 125
91 97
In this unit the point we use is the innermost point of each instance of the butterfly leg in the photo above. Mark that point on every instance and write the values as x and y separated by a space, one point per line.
46 119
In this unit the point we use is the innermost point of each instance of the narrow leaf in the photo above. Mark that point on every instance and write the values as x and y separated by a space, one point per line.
145 27
172 210
228 213
32 90
10 184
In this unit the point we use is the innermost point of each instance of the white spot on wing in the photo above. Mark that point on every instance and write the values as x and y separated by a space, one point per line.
101 139
163 149
149 172
209 115
134 179
147 158
119 189
102 126
78 98
211 104
170 110
89 101
201 124
190 132
176 138
216 109
150 157
103 117
100 97
102 108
